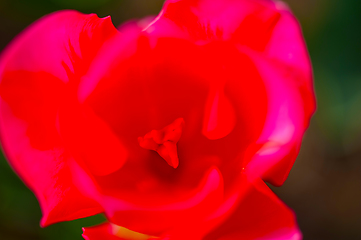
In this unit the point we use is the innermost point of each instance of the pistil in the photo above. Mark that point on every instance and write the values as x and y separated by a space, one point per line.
164 141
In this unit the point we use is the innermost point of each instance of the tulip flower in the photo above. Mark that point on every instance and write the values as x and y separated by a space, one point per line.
168 126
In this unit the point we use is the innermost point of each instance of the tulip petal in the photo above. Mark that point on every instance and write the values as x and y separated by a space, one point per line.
277 147
260 215
287 49
109 231
261 25
46 172
246 22
61 44
100 232
37 71
286 60
90 140
268 33
255 213
151 217
220 117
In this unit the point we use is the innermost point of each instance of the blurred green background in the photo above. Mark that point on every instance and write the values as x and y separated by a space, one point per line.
324 187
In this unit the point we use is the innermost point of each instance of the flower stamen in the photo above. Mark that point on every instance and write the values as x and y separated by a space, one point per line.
164 141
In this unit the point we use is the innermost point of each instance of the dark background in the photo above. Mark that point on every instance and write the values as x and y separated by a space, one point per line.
324 187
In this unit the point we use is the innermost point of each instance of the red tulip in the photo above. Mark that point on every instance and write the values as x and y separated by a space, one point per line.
169 127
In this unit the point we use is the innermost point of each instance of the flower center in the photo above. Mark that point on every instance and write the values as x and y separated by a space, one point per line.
164 141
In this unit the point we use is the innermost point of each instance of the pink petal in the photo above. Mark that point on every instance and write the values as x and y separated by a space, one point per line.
285 66
243 21
220 116
278 145
61 44
155 218
260 215
100 232
288 50
90 140
268 33
110 231
46 172
37 72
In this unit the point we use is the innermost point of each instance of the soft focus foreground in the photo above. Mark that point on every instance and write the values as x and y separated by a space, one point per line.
20 215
